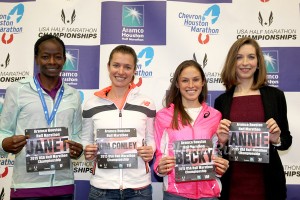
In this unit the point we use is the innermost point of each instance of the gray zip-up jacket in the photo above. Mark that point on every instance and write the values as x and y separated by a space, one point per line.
22 110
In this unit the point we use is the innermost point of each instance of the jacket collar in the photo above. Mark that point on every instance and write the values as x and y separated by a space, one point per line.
30 81
103 93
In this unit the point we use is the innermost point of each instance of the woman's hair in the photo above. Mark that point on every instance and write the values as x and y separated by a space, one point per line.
45 38
174 96
124 50
228 74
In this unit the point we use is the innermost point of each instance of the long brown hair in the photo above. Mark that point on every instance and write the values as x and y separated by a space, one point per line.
174 96
228 74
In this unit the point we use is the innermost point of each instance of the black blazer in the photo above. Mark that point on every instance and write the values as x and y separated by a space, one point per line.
274 104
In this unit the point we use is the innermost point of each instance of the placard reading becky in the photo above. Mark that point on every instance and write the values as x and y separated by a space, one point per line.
193 160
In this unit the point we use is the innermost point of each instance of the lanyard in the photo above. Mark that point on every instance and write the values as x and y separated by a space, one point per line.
39 90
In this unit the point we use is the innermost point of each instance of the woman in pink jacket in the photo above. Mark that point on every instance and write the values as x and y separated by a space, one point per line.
187 118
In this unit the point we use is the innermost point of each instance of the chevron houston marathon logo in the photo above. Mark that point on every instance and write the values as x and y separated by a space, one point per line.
6 162
4 173
133 22
204 25
145 57
9 23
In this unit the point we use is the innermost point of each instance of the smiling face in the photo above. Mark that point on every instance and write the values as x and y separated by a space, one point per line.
50 58
246 63
121 70
190 85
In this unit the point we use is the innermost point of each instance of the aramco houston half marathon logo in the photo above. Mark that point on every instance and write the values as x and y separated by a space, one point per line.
133 22
202 24
70 69
272 65
2 95
71 63
271 59
9 23
133 16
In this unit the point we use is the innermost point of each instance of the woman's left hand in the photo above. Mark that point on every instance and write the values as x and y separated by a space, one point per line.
146 152
274 131
221 165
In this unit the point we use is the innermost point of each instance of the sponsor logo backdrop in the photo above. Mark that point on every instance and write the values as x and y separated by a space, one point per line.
163 33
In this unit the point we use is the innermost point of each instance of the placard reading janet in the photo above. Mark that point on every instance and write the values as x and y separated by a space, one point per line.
46 149
117 148
249 142
193 160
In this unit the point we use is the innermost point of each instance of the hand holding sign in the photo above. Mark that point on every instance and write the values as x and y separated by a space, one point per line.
14 144
75 149
221 165
90 151
166 165
223 131
145 152
274 131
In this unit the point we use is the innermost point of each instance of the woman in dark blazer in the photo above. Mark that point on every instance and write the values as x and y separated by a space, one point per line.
249 99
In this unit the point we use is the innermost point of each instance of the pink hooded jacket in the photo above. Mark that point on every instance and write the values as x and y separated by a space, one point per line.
205 127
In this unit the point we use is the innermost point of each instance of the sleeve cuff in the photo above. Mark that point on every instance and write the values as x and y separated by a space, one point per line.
278 144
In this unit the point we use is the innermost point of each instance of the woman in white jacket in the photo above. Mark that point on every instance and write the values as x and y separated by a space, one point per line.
120 108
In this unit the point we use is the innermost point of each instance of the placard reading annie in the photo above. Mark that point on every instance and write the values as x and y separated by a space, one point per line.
46 149
117 148
249 142
193 160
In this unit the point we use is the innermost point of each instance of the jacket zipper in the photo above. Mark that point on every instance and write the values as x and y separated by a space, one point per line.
121 171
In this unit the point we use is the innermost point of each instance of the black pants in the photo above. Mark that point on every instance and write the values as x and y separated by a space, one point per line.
63 197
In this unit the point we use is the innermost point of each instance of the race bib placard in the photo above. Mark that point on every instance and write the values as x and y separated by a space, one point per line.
117 148
249 142
46 149
193 160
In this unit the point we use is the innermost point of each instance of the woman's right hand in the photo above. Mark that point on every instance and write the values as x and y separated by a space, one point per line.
223 131
90 151
14 144
165 165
